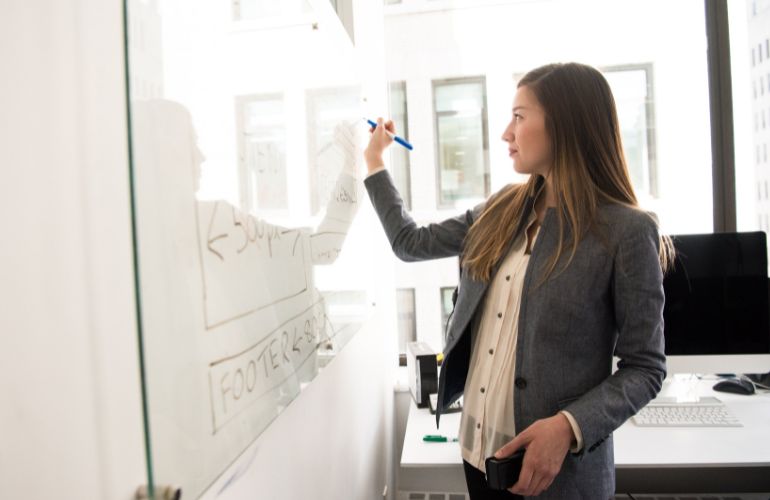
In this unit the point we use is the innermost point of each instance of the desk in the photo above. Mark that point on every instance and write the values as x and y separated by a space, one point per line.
647 459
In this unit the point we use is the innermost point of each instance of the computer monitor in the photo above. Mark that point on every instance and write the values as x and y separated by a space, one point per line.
716 311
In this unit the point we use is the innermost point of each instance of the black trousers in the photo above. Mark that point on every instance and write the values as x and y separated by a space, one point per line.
478 489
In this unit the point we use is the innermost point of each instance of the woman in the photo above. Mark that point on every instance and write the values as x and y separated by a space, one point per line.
557 275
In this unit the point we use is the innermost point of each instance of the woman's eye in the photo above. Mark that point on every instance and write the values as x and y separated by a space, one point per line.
517 116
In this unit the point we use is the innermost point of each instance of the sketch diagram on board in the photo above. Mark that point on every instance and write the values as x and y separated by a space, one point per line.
234 324
326 109
240 380
261 122
247 263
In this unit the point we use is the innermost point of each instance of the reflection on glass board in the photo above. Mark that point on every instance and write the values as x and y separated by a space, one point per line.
325 108
262 140
235 319
207 270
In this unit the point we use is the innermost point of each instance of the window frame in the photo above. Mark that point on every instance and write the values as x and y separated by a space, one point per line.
721 111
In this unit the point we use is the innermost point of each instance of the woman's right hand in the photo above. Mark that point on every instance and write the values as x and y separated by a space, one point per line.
377 143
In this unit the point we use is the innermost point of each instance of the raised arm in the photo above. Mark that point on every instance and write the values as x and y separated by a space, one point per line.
409 241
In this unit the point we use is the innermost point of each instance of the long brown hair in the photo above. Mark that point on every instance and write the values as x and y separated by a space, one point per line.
589 168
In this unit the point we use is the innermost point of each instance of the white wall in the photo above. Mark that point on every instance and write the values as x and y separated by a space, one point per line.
70 421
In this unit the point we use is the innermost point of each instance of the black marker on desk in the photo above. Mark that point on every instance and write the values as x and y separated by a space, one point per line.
393 136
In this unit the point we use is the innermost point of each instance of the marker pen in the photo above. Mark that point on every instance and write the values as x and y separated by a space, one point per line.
435 438
393 136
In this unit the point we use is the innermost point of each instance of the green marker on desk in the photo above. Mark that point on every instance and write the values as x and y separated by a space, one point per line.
435 438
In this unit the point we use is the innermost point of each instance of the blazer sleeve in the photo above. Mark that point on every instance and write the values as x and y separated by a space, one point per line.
638 307
409 241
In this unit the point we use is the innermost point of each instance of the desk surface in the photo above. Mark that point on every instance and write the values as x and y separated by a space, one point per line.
701 446
416 452
635 447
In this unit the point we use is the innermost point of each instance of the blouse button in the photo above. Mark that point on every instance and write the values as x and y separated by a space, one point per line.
482 390
478 426
508 278
499 315
491 351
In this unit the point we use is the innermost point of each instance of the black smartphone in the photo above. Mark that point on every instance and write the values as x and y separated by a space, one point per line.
504 472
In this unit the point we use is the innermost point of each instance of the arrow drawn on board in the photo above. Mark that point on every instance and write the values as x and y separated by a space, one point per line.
211 239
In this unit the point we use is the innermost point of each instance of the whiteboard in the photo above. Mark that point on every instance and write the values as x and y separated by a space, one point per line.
245 177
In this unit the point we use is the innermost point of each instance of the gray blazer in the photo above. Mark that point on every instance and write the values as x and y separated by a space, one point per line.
608 301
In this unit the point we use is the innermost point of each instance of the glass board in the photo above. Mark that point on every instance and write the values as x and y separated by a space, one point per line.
245 131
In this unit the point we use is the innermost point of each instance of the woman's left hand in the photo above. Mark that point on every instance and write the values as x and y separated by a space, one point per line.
547 442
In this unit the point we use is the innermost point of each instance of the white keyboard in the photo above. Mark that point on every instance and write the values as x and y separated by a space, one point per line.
667 412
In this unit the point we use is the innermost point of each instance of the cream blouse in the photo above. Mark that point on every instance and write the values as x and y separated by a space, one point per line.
488 415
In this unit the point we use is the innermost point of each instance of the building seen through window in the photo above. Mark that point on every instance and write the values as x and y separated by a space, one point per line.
632 87
407 323
750 69
461 82
399 157
461 140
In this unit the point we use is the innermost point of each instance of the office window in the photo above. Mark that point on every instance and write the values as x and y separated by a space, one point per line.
751 171
407 323
399 156
470 41
446 307
632 88
462 150
262 152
